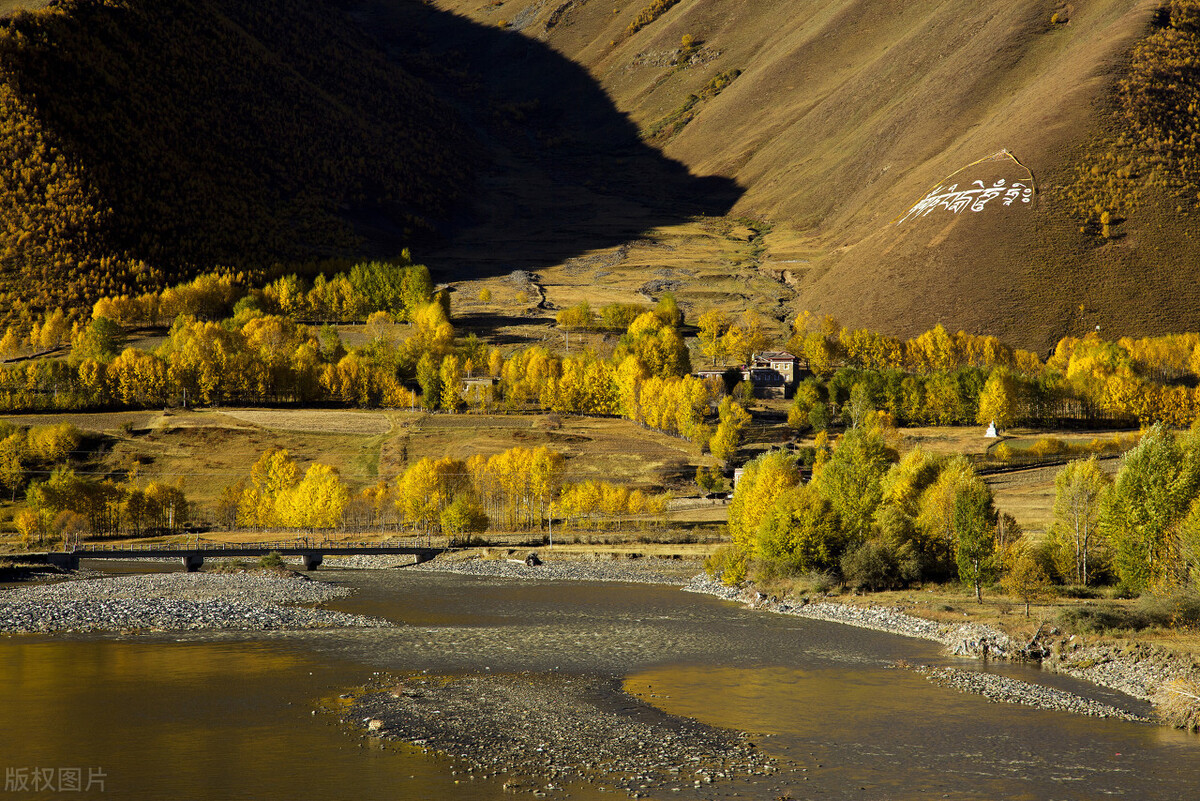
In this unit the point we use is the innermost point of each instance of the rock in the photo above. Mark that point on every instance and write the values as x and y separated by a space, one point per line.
533 560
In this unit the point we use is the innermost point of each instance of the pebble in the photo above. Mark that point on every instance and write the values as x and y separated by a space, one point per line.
251 601
1002 689
571 728
644 570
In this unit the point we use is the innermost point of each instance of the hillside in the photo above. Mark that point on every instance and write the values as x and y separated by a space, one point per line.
835 117
142 141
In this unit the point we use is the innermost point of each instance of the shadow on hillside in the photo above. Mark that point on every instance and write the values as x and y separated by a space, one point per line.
566 171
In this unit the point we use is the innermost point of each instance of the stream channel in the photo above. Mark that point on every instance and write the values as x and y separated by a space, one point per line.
238 715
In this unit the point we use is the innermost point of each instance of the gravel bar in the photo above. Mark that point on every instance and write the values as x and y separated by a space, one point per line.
1001 689
644 570
542 730
255 601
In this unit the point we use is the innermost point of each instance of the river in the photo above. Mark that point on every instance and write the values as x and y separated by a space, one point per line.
223 716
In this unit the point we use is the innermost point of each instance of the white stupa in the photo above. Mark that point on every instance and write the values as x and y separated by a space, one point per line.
991 432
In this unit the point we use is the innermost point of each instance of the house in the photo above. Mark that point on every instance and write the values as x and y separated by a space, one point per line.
781 362
773 374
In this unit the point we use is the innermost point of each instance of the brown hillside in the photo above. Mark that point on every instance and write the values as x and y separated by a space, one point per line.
845 113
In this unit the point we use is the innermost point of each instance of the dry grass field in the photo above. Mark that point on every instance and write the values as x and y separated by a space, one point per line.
210 449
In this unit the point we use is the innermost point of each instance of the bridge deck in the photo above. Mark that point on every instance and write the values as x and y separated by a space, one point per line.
193 556
249 550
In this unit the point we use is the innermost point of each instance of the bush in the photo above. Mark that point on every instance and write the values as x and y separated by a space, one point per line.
1049 446
1082 593
271 561
1174 611
1099 619
727 563
821 582
1150 611
1178 703
872 566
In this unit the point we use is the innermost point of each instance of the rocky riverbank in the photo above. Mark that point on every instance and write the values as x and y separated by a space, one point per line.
642 570
251 601
542 731
964 639
1141 671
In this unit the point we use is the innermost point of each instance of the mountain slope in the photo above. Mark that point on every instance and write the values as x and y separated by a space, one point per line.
844 113
142 140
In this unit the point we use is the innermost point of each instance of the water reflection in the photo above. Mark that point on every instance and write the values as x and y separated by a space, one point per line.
893 734
201 721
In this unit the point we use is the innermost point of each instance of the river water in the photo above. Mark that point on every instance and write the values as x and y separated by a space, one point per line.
221 716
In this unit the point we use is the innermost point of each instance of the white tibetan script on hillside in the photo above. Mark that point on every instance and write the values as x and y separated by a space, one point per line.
977 195
956 201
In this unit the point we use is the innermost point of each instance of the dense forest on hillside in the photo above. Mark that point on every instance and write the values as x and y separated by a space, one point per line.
142 141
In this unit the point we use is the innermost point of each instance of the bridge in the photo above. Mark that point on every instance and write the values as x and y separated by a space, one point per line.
192 556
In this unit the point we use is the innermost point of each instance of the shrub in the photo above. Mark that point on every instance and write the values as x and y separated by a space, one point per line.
821 582
1049 446
648 14
1181 610
728 564
271 561
1098 619
872 566
1178 703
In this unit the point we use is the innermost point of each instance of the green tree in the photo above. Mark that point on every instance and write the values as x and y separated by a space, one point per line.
801 531
461 518
974 521
762 482
100 340
667 309
430 379
936 528
1153 491
12 471
1026 579
1079 490
808 394
852 478
724 443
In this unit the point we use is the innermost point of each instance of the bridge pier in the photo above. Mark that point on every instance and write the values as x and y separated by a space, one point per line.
313 560
193 562
425 556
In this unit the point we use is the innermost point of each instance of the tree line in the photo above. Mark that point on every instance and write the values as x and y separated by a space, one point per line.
939 378
518 489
